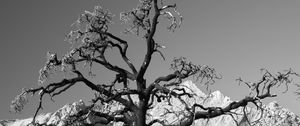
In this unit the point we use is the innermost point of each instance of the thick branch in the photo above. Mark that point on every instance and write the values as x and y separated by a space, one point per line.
234 105
123 51
51 88
110 95
115 68
150 43
168 77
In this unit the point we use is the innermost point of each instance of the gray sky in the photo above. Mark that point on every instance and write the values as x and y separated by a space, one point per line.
237 37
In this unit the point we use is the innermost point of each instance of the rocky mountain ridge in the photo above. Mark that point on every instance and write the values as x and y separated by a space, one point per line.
273 113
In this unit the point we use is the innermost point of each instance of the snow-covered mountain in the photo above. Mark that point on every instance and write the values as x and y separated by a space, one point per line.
58 118
273 113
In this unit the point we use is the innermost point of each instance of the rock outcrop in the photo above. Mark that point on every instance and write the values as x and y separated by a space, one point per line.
58 118
273 113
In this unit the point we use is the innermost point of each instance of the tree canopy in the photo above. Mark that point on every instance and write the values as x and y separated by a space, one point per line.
90 41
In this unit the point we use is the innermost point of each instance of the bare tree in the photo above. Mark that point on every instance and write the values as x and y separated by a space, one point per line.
94 38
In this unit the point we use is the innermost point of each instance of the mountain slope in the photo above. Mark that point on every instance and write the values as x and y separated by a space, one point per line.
273 113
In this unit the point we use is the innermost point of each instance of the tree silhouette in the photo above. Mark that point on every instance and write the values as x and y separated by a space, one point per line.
92 38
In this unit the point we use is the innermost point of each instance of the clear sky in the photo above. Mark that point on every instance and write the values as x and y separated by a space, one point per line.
237 37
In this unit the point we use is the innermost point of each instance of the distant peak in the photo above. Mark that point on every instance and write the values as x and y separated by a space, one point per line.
217 93
273 114
192 87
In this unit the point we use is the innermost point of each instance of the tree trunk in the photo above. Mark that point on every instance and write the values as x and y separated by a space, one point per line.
141 115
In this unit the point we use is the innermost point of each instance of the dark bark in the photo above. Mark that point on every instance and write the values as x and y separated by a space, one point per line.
141 114
165 87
